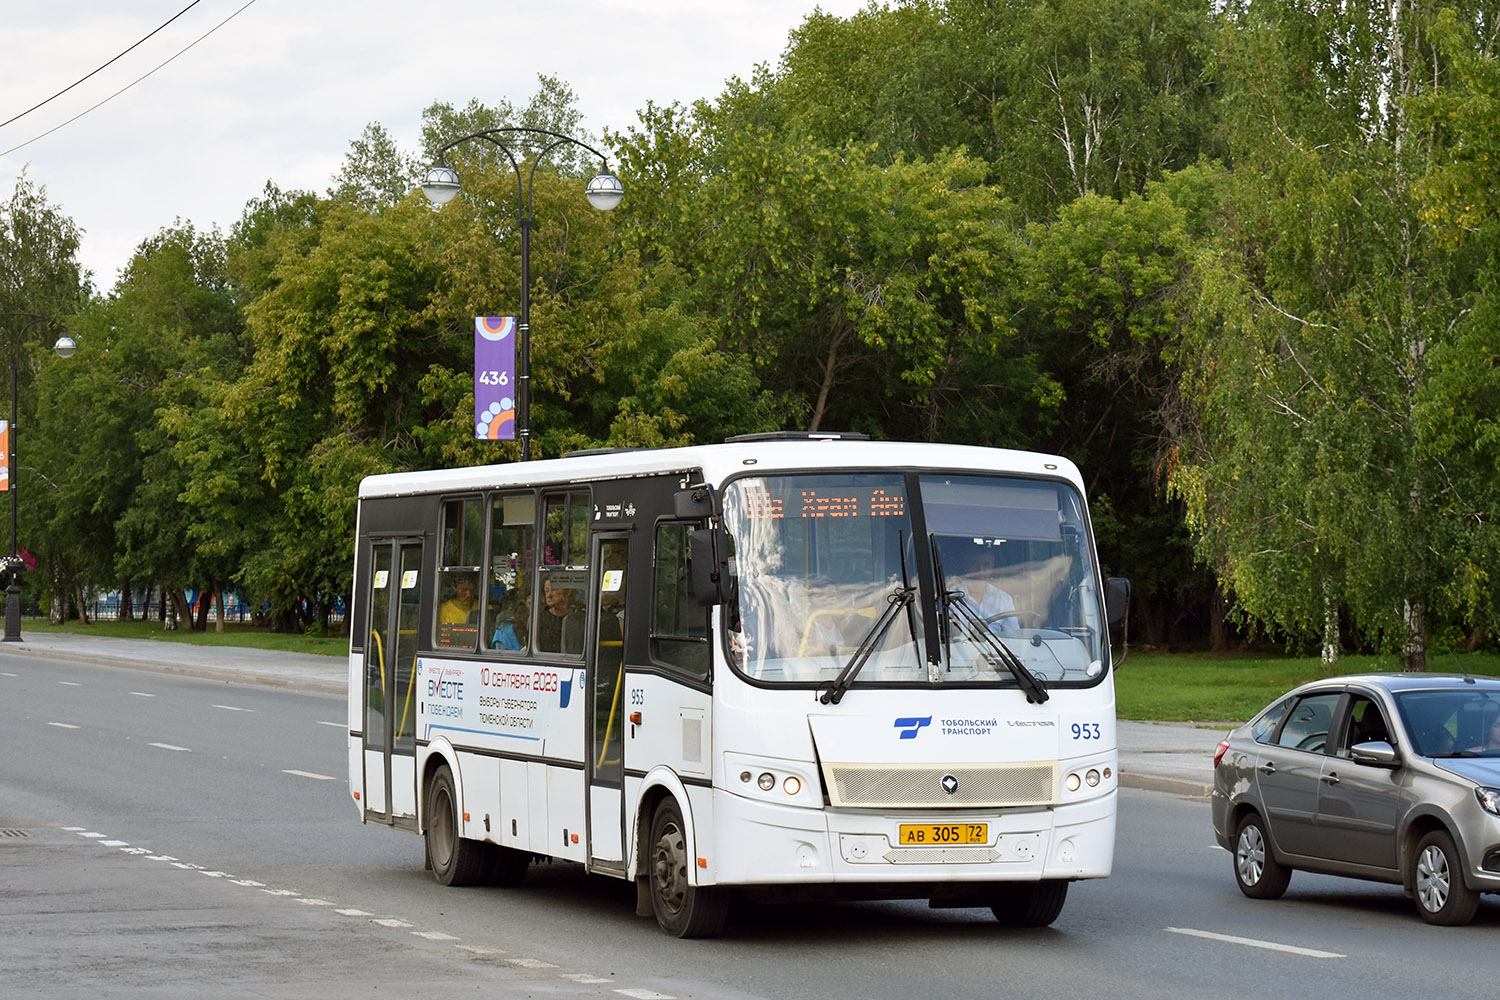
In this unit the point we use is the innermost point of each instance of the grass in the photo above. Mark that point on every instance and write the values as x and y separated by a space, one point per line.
234 634
1229 688
1212 688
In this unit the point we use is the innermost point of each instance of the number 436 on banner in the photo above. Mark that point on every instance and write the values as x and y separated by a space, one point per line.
494 377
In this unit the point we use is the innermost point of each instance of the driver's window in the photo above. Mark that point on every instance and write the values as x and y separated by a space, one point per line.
1366 725
1307 724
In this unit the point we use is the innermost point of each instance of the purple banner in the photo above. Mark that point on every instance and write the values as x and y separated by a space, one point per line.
494 378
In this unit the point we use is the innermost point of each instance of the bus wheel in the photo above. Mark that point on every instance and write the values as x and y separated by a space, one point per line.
682 909
455 860
1028 904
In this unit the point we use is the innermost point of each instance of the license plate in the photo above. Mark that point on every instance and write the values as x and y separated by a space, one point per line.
940 834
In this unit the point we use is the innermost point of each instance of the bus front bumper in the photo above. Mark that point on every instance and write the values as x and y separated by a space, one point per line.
779 845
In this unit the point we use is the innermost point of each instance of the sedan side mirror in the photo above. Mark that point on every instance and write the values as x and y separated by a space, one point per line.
1376 752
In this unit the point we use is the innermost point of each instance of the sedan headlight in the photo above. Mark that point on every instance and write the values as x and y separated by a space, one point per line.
1489 799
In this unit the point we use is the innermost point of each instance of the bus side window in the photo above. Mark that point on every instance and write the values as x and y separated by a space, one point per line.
679 625
507 600
457 622
560 606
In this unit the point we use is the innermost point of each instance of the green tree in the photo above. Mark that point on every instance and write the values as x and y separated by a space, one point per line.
1310 488
42 287
146 348
1062 98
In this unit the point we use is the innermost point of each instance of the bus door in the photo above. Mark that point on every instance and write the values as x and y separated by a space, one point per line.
394 600
606 709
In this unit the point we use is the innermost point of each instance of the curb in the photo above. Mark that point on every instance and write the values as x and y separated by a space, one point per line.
229 675
1159 783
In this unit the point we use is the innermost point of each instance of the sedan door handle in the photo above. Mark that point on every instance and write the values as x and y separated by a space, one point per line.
1269 767
1332 778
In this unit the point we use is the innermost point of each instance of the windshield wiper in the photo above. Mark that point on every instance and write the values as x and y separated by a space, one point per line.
956 606
901 598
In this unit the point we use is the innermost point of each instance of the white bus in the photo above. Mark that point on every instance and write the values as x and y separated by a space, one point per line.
791 666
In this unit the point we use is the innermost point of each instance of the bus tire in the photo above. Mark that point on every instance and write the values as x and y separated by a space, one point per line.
1028 904
509 866
455 860
681 908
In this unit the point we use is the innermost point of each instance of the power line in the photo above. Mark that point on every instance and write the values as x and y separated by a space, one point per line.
132 83
116 59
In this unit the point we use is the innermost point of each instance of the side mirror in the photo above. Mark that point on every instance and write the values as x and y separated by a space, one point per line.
709 565
1377 752
1116 600
696 503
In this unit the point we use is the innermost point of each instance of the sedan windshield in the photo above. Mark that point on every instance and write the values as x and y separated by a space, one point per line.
1452 723
869 578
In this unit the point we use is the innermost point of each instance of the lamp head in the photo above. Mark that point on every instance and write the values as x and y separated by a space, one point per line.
64 346
441 184
605 191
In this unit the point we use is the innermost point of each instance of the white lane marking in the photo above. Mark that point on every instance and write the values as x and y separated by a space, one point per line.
70 684
310 774
7 673
335 725
517 963
1254 943
142 694
63 725
232 708
168 746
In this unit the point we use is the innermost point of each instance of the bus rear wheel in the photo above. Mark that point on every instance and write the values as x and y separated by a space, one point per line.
455 860
681 908
1028 904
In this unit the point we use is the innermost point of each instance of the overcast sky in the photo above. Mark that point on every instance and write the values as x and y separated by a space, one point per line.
279 91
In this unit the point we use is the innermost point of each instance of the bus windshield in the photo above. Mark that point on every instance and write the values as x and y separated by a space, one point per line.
833 568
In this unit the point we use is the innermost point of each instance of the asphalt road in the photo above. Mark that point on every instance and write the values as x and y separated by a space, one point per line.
171 836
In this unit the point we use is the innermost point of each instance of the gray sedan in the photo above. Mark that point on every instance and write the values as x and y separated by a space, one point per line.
1388 777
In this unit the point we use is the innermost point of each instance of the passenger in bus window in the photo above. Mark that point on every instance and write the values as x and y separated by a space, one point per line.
456 609
510 624
984 597
560 629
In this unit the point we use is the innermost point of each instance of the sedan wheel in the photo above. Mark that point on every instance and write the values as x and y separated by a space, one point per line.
1256 869
1442 897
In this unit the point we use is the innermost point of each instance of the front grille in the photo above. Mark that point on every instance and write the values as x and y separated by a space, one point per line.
920 786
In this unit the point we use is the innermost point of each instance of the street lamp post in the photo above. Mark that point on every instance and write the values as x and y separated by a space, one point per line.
64 348
604 193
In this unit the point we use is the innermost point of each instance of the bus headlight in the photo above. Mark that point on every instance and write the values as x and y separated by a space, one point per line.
792 785
766 781
1072 782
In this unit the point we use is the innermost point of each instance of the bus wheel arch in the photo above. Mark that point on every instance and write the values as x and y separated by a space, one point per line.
453 858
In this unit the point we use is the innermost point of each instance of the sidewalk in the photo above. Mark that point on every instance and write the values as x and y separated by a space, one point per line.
1174 757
